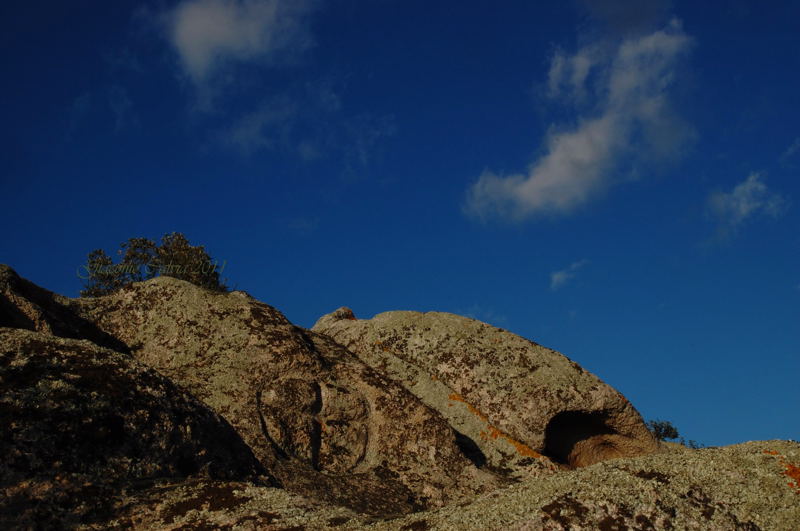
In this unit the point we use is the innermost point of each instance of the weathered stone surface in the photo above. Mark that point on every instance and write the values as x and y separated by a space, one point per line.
750 486
515 399
325 423
78 421
25 305
438 411
205 504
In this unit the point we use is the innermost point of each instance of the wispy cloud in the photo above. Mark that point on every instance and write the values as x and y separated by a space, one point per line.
793 149
568 73
748 199
303 126
627 17
260 128
122 108
632 116
560 278
209 35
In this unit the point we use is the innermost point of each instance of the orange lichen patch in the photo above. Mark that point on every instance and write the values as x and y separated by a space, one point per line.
522 449
494 433
434 378
792 471
472 409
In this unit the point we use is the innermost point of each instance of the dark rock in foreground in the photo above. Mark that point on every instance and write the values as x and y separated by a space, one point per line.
80 420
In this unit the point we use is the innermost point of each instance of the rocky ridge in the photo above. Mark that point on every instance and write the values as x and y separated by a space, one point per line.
168 406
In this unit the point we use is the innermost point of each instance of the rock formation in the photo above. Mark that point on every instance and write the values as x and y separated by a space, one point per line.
750 486
79 419
517 400
324 423
167 406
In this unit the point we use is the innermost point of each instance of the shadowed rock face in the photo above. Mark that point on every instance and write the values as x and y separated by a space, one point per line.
326 424
25 305
515 399
78 419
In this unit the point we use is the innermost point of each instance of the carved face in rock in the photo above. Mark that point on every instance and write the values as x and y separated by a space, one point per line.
318 423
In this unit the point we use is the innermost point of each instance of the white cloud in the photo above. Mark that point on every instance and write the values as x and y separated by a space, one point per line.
559 278
262 127
792 149
633 118
568 74
749 198
209 34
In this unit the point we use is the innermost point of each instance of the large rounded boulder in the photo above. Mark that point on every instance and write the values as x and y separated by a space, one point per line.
516 400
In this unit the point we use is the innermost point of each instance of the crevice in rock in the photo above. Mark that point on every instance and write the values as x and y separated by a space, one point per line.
265 432
470 449
316 426
12 317
567 428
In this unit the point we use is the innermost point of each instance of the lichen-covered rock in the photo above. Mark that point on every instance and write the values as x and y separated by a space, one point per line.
326 424
80 421
166 406
516 400
205 504
750 486
25 305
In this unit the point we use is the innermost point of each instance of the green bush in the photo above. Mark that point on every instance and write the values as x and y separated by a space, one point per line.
141 259
664 430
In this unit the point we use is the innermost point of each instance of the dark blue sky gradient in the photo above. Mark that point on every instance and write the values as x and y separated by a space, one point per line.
376 121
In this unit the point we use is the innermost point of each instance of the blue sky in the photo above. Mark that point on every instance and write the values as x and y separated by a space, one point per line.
615 180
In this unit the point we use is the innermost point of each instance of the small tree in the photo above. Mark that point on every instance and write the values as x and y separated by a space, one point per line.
663 429
102 275
177 258
138 254
142 259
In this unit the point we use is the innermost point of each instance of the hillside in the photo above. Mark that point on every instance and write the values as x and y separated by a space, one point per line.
165 405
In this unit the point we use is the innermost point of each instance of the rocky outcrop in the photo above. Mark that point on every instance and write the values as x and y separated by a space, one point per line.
517 400
25 305
207 504
166 406
327 425
750 486
79 420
